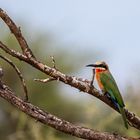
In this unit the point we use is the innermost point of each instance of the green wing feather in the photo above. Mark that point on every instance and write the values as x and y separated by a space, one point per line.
122 111
111 88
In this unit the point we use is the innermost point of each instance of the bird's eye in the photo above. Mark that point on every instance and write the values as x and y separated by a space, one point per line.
103 66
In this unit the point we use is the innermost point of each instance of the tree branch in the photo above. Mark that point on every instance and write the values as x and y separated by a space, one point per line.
55 122
82 85
20 76
79 83
17 33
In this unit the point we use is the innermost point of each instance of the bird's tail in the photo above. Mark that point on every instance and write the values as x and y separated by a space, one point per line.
122 111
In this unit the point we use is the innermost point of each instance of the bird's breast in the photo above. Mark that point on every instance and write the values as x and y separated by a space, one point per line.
98 78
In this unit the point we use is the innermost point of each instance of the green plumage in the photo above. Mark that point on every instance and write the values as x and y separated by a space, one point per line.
111 88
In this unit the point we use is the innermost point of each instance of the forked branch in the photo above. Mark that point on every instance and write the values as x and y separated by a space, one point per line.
20 76
79 83
55 122
17 33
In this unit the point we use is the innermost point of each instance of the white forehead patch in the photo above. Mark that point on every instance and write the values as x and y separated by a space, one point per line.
100 62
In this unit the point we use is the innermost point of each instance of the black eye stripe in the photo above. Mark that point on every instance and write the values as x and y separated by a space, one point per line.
103 66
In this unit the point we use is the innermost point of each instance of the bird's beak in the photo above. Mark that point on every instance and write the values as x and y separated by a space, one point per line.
92 65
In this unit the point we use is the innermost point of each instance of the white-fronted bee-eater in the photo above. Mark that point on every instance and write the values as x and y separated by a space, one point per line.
108 85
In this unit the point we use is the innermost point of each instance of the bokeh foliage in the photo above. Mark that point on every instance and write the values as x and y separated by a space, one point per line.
15 125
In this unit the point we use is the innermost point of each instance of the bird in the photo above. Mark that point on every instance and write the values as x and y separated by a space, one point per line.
109 86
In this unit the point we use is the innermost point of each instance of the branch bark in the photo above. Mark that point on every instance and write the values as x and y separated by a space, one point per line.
55 122
78 83
17 33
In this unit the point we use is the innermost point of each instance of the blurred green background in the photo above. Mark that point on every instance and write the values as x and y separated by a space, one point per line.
71 58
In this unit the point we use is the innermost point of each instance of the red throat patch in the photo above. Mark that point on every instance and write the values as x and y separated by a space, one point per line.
99 70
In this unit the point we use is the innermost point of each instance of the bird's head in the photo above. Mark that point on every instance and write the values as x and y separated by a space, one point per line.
99 65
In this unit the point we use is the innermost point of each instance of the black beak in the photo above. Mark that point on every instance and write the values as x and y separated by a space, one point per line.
92 65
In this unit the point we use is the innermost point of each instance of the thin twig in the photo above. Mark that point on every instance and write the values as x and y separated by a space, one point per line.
19 74
1 73
93 75
45 80
53 62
